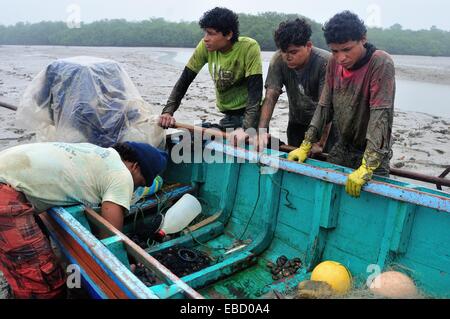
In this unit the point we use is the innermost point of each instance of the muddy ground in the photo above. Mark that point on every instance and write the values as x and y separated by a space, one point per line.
422 141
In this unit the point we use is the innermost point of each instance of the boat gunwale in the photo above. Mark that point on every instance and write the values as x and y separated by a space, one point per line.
401 193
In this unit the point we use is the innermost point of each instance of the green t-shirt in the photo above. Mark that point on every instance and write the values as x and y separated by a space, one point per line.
229 71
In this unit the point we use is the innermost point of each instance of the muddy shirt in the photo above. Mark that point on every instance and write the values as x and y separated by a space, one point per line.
303 87
63 174
361 103
229 71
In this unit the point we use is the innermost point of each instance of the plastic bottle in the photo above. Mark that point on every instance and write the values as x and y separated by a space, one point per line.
180 215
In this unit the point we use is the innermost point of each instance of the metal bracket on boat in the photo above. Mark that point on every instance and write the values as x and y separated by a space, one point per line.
232 250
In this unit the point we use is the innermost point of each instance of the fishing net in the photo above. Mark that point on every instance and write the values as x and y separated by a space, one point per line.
181 261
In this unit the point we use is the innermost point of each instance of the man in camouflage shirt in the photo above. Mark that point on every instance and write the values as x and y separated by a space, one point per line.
358 96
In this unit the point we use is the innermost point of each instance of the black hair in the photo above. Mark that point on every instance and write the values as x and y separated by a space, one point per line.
222 20
126 152
297 32
343 27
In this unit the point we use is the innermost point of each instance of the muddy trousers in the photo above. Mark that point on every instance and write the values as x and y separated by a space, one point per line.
26 258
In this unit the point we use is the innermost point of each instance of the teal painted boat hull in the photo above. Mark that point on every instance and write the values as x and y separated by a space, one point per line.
270 207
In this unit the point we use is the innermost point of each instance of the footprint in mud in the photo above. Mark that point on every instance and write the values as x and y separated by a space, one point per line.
443 131
416 134
15 130
399 164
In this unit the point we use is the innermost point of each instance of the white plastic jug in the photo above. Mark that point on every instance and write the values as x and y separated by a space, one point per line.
180 215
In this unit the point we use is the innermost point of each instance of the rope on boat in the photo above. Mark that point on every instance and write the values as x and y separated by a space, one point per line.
254 206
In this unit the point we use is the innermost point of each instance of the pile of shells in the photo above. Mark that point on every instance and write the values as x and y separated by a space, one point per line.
139 240
283 267
183 261
147 276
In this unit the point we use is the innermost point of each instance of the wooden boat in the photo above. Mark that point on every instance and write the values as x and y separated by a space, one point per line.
257 208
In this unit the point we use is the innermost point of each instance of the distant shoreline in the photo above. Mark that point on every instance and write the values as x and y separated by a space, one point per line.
154 32
174 47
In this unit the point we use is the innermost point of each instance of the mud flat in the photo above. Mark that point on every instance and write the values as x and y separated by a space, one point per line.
421 141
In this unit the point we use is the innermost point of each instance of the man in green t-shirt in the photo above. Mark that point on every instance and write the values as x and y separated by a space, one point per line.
235 66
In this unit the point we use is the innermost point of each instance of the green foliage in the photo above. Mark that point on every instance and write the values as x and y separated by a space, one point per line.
162 33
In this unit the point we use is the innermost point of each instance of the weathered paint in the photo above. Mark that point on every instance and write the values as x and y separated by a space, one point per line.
441 203
213 273
133 287
303 211
140 255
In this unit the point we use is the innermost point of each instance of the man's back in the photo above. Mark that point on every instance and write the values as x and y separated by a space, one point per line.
60 174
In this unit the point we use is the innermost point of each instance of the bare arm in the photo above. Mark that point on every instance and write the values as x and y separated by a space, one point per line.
114 214
267 108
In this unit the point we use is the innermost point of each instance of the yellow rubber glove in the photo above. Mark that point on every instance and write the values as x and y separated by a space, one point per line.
358 178
300 154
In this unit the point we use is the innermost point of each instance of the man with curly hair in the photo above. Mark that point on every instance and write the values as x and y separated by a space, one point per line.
358 96
235 66
300 67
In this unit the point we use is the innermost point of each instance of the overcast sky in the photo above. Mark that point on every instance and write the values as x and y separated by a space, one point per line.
411 14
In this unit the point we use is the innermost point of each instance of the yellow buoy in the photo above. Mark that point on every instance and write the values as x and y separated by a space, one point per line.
394 284
334 274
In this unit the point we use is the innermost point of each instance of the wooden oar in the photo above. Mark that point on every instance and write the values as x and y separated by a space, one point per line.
438 181
215 132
